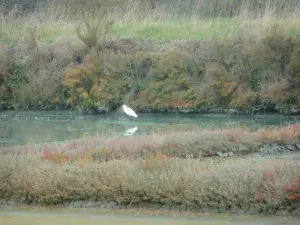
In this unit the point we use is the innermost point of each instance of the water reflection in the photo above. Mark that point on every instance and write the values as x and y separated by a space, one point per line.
31 127
130 131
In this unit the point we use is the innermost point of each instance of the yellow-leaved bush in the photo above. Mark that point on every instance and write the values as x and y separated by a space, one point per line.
97 81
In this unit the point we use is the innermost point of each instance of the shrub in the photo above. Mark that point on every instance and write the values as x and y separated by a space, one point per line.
94 82
170 77
294 190
245 99
12 78
95 32
60 157
220 186
294 78
6 71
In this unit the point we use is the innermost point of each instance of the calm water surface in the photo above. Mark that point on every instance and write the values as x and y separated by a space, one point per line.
35 126
93 217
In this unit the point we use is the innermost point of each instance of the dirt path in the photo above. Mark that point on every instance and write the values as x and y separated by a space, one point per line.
96 217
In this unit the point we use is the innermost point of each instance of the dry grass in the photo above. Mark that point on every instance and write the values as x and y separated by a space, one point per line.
289 134
221 185
162 30
157 168
57 22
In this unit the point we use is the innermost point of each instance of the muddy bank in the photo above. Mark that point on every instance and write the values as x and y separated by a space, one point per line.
225 111
273 148
264 149
184 110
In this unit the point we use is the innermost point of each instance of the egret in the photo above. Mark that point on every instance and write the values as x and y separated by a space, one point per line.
129 111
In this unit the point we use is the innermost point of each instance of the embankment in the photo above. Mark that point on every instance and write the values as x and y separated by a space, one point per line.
243 73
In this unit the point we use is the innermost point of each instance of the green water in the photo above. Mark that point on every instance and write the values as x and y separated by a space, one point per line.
93 217
25 127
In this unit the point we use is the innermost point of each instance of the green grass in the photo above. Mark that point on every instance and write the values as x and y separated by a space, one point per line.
47 32
156 30
176 29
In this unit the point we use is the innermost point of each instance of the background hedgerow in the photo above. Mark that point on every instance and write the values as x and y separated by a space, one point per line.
227 75
96 54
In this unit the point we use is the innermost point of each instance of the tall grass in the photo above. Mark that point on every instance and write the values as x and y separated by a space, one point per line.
169 8
56 18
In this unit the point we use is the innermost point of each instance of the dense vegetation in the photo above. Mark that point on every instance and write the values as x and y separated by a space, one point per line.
170 169
170 59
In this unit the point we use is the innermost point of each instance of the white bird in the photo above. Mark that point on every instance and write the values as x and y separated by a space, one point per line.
129 111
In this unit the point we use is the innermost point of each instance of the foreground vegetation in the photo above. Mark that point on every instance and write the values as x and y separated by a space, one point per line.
163 169
234 61
240 184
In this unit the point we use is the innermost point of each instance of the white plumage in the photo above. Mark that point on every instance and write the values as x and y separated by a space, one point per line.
129 111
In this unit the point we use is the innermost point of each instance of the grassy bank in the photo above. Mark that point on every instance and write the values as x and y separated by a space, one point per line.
150 59
157 169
